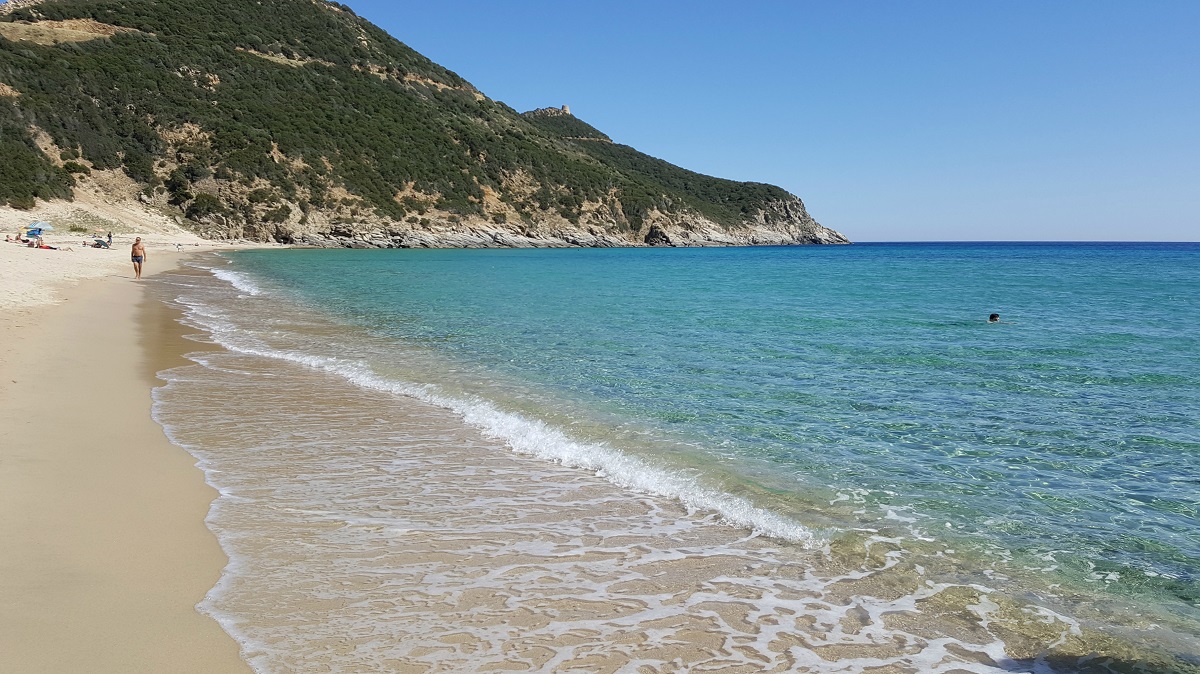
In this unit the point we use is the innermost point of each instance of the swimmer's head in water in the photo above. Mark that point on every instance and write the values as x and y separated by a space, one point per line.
994 318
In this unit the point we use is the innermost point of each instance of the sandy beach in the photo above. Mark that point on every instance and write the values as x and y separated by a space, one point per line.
105 550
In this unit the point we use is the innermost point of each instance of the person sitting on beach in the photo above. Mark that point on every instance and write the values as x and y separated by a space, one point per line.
994 318
137 255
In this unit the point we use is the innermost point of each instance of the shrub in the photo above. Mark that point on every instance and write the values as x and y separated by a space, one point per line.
204 204
277 215
23 203
262 195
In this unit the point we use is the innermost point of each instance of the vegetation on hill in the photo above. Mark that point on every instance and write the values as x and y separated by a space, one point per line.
25 172
238 109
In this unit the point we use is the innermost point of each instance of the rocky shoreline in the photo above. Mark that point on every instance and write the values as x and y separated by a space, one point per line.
482 237
780 224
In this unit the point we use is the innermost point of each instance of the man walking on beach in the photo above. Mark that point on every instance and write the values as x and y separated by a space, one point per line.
138 255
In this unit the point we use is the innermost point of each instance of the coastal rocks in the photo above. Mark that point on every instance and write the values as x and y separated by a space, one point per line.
787 221
469 238
781 225
657 237
601 225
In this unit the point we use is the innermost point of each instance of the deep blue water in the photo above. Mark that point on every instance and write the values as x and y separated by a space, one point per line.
840 386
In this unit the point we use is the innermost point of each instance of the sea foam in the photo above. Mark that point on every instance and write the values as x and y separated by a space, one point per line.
524 435
533 437
237 279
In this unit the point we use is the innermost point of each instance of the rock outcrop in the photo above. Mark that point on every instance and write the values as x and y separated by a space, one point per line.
782 224
13 5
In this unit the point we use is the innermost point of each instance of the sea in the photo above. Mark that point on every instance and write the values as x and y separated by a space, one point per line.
763 459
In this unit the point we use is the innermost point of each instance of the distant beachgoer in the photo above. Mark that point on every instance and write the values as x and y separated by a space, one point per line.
138 255
110 238
994 318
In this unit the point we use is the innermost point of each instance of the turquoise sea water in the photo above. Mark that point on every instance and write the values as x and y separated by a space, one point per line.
811 392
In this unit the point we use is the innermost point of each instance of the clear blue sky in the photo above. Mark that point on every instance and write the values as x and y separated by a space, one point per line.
947 120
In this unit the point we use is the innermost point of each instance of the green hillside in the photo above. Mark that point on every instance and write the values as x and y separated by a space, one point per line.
252 111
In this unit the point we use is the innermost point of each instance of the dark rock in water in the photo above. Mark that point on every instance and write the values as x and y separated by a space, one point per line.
657 237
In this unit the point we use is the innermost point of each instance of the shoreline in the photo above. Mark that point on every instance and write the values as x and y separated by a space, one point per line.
106 550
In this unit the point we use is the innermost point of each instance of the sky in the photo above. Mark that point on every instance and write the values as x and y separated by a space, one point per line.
894 121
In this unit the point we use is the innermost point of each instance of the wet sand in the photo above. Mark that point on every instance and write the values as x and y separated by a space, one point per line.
105 552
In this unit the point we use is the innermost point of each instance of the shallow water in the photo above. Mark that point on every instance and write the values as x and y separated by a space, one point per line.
810 459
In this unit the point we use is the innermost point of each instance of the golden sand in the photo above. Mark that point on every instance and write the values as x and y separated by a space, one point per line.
105 552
